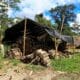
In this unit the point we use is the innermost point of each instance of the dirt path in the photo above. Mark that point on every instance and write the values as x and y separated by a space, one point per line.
21 72
17 73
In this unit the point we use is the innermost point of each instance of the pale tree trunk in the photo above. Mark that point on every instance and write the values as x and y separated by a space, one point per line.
2 49
1 45
56 49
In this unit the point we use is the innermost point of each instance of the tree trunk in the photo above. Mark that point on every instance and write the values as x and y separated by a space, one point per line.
57 42
56 49
1 45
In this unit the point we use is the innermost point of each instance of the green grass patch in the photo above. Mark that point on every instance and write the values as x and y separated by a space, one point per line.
1 60
67 64
63 64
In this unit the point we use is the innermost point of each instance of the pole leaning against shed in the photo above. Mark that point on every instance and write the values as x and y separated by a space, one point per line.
24 37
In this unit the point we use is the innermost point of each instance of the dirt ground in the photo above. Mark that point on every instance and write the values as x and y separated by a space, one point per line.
21 73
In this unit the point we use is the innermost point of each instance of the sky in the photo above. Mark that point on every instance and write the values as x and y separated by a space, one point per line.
29 8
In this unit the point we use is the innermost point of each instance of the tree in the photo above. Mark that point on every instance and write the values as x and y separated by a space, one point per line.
5 5
40 18
4 20
62 15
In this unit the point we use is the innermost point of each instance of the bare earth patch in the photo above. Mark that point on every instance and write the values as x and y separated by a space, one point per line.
21 73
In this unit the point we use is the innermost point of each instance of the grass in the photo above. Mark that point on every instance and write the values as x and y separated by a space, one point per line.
15 62
67 64
63 64
1 61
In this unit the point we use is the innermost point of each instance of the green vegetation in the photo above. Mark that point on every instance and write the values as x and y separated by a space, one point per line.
71 65
40 19
1 61
14 62
68 64
5 21
62 15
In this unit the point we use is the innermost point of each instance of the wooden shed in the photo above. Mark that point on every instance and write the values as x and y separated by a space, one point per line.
36 37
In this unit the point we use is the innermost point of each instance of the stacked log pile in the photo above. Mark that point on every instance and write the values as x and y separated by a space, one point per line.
39 56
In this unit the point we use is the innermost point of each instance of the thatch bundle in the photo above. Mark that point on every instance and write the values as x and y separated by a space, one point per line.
14 53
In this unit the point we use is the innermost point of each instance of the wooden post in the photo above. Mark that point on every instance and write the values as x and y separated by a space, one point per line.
24 37
56 49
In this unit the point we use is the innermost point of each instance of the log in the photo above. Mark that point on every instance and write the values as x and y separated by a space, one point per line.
14 53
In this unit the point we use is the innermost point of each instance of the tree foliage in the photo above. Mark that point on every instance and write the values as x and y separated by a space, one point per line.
5 5
13 4
66 11
62 16
40 19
